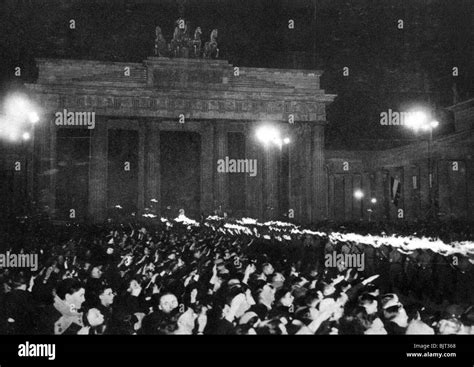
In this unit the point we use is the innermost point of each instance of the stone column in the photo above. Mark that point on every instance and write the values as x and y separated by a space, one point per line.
386 194
416 203
470 187
319 190
379 207
331 201
221 181
301 178
446 189
307 173
424 188
357 205
367 189
339 197
44 164
295 173
407 193
98 172
270 181
254 184
208 168
348 196
52 176
152 166
141 166
393 210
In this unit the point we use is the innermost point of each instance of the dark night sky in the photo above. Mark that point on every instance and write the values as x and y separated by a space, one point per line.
389 67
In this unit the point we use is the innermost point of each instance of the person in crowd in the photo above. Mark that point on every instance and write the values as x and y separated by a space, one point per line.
93 321
104 303
164 310
19 310
394 314
174 278
264 296
64 317
283 304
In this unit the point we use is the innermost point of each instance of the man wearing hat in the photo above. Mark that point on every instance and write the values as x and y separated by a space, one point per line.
395 316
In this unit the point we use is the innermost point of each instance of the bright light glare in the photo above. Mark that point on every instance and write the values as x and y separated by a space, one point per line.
416 120
358 194
419 120
18 110
373 200
286 140
16 106
33 117
268 134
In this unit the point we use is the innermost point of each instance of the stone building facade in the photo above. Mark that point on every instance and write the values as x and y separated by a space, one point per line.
399 179
84 173
161 127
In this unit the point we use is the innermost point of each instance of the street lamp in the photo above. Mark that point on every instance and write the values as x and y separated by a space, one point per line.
17 120
358 194
33 117
268 134
420 120
370 210
19 112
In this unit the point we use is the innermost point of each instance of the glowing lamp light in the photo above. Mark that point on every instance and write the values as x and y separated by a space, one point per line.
358 194
16 106
19 107
420 120
373 200
26 136
267 134
33 117
416 120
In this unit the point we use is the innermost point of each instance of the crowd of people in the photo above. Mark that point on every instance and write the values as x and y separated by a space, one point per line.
175 278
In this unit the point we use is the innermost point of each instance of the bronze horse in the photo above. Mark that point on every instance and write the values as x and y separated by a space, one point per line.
210 48
183 46
196 43
161 47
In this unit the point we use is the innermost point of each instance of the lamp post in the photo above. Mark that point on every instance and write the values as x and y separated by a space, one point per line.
17 122
420 121
373 201
269 135
359 195
432 125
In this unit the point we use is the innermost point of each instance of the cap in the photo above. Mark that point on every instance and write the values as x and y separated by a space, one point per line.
247 317
390 300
